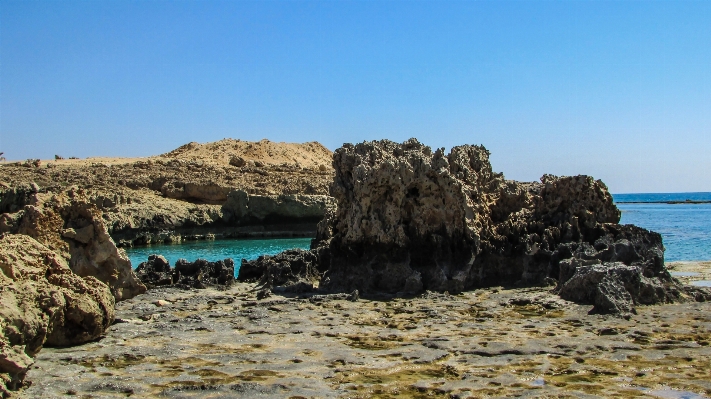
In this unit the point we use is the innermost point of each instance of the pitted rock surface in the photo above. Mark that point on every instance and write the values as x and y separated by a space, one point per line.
294 270
70 225
491 342
156 272
43 303
410 219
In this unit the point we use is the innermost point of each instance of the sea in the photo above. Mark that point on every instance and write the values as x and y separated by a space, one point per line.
685 229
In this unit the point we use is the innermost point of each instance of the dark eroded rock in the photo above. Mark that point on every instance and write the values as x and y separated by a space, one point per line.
294 270
409 219
201 273
155 272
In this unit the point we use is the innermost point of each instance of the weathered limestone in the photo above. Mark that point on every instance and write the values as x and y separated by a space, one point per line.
409 219
243 208
43 303
73 228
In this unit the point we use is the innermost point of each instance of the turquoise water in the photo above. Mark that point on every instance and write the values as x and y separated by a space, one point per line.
685 228
217 250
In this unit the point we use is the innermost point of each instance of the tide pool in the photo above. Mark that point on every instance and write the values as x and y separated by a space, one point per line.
217 250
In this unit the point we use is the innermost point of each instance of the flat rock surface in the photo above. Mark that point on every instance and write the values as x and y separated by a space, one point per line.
485 343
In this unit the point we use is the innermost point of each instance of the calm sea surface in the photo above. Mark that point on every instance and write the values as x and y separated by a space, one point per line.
685 228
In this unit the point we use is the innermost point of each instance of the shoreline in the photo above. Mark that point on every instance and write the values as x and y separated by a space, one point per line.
492 342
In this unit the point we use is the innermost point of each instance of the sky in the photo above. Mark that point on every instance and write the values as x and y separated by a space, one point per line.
620 90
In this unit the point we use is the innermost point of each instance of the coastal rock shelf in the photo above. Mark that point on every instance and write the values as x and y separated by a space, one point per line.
493 342
194 192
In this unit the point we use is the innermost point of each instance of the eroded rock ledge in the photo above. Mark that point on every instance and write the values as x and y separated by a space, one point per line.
410 219
43 303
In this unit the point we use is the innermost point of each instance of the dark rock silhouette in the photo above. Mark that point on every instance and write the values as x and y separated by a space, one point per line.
201 273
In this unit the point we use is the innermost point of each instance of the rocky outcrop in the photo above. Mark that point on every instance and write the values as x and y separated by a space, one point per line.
43 303
155 272
294 270
409 219
201 273
71 226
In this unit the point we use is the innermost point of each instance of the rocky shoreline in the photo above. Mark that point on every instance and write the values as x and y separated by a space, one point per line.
430 275
492 342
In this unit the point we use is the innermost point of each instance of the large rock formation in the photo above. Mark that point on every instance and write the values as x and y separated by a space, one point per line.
409 219
71 226
43 303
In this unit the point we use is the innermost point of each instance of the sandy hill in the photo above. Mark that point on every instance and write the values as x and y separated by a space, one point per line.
306 155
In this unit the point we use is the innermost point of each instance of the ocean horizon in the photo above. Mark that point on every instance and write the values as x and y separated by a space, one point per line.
685 227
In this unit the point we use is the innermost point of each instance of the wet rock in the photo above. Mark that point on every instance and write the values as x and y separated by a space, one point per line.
294 271
43 303
201 273
155 272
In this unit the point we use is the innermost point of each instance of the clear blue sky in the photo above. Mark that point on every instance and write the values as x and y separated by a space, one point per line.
618 90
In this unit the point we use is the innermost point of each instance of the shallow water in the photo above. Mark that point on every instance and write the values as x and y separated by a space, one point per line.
217 250
685 228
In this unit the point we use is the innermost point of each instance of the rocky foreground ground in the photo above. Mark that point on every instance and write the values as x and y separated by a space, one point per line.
492 342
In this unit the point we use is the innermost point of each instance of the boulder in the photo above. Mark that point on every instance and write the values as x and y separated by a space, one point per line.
43 303
155 272
201 273
93 252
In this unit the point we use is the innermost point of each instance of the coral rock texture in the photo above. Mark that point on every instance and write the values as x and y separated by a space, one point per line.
410 219
43 303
